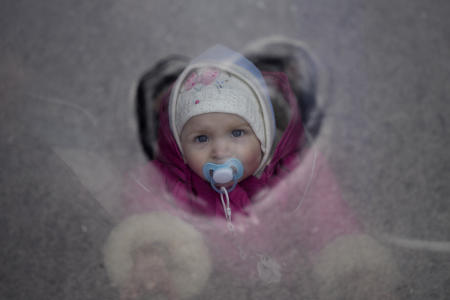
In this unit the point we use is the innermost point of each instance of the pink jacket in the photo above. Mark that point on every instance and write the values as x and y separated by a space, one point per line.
290 212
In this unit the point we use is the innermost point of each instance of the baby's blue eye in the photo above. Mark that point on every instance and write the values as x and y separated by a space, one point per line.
237 132
201 139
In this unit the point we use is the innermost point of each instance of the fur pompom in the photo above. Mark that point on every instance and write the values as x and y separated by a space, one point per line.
356 267
186 250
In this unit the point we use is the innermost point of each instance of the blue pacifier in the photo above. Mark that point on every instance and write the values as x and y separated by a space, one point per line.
231 170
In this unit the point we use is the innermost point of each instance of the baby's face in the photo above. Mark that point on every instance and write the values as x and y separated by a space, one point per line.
216 137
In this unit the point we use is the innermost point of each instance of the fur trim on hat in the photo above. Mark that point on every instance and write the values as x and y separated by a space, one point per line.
356 267
185 244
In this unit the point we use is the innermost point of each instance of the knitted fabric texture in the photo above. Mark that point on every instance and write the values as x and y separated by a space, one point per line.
221 80
210 90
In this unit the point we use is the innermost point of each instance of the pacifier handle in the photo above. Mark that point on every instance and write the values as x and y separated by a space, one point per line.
231 170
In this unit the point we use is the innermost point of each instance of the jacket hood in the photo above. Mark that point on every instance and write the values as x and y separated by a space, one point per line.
195 192
239 67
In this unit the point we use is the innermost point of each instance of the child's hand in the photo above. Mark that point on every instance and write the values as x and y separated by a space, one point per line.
149 275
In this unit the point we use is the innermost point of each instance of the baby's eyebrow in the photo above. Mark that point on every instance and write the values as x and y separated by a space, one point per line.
197 130
243 124
199 127
205 128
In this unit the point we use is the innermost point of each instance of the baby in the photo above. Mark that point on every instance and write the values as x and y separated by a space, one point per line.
232 193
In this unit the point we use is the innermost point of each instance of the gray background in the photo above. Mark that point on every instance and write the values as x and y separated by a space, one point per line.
68 73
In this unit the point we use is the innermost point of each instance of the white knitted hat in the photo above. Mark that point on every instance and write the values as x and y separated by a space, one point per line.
221 80
211 90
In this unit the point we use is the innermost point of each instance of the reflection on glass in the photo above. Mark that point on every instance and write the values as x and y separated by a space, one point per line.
236 199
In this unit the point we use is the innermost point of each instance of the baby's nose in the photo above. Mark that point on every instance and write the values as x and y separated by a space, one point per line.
220 149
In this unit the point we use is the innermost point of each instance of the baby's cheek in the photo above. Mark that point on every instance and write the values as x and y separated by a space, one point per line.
197 167
251 163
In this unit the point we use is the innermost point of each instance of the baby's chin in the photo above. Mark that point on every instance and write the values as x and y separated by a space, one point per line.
228 184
